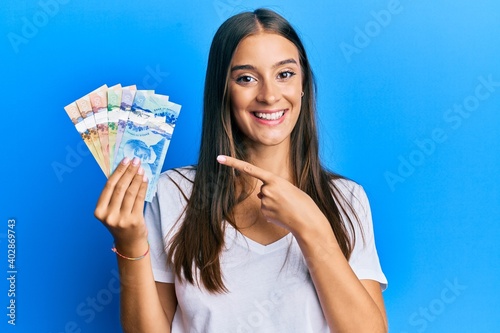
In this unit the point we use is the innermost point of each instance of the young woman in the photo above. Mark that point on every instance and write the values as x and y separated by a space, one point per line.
258 236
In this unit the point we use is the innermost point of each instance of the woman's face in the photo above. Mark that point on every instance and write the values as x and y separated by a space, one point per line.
265 88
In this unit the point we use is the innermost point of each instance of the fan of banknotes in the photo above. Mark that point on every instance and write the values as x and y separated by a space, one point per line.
117 122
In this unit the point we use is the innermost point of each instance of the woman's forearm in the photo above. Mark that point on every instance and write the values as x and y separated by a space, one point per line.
141 309
120 208
346 304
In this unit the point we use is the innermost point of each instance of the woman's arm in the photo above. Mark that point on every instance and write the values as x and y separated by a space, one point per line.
120 209
140 303
349 304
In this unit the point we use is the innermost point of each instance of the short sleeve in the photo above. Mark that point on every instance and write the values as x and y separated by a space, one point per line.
364 259
162 215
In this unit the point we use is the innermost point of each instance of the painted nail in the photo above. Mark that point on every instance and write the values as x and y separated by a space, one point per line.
140 171
126 161
221 158
145 179
136 161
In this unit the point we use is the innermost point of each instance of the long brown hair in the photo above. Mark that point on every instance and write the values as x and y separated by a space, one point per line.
196 246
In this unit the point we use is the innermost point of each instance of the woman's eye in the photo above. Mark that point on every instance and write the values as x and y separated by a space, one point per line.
285 75
245 79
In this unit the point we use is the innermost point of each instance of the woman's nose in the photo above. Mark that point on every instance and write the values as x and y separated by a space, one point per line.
269 93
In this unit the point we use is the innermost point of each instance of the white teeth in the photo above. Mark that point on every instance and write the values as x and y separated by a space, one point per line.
269 116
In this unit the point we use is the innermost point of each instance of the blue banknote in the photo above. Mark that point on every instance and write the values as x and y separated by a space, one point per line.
147 134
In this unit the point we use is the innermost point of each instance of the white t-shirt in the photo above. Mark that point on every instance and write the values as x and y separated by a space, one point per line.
270 289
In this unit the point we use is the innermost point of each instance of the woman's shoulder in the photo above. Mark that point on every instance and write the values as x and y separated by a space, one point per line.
179 175
350 191
176 180
346 186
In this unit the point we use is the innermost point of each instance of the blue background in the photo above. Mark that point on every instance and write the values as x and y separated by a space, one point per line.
386 88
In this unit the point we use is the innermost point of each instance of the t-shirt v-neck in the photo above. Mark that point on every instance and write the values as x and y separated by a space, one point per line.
233 236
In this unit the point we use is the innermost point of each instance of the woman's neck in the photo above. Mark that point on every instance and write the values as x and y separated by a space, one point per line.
275 159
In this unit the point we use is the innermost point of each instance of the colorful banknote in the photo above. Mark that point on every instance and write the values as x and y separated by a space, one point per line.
114 101
146 140
147 136
128 94
148 101
77 119
119 122
88 117
169 114
99 102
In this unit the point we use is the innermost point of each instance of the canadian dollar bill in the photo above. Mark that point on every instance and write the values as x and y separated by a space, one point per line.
77 119
119 122
114 101
128 94
168 114
99 102
147 139
148 101
88 117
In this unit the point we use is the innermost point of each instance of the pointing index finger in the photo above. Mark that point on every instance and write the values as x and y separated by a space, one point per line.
248 168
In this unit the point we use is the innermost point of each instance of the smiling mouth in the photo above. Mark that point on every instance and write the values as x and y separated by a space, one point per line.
269 115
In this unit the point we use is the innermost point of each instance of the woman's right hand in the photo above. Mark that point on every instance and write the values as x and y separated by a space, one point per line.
120 207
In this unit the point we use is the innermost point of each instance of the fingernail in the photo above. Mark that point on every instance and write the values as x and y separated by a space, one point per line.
136 161
126 161
140 171
221 158
145 179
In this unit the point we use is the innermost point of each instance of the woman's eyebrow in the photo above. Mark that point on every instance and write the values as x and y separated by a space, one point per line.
251 67
240 67
285 62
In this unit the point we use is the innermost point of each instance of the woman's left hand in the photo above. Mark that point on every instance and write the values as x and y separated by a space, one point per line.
282 203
